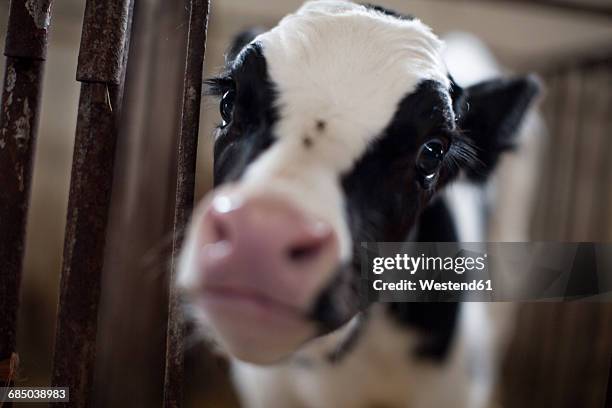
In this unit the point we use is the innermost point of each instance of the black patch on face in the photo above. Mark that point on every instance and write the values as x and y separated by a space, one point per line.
384 200
389 12
436 224
457 94
383 196
435 321
248 134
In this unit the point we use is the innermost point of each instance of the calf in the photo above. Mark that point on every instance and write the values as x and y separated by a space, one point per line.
342 125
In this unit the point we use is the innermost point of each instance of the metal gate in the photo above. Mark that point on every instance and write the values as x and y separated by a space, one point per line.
104 59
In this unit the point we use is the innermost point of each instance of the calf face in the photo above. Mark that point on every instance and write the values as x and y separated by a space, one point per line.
339 126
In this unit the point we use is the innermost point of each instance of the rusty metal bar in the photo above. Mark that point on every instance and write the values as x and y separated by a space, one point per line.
185 186
28 28
105 41
25 49
105 27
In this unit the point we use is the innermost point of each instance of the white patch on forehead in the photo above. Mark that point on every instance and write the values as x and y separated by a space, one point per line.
349 66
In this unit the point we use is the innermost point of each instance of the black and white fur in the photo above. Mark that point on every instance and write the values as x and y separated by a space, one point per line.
330 110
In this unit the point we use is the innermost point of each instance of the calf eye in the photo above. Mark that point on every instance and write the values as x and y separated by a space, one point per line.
226 106
429 159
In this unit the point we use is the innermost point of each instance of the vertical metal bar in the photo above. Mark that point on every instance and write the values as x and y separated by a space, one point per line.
187 153
105 40
25 49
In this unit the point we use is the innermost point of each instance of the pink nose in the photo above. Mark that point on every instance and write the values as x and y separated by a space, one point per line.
265 246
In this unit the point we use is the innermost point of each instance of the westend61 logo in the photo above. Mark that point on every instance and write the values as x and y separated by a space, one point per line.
411 264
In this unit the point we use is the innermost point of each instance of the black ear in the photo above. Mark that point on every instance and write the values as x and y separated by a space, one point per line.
240 40
490 114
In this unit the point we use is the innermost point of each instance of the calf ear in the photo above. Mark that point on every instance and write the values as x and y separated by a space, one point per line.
240 40
490 113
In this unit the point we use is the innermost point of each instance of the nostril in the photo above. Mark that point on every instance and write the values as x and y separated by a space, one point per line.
221 230
216 242
305 251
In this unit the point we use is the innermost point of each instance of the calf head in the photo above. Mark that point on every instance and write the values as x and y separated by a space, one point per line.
339 126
